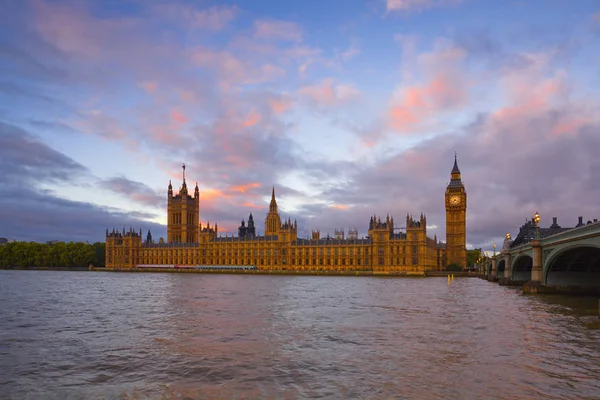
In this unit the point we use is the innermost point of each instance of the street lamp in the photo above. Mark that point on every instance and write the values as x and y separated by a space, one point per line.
536 220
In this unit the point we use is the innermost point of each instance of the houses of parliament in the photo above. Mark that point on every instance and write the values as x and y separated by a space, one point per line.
387 249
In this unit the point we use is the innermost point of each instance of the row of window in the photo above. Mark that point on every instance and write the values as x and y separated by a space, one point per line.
283 261
294 252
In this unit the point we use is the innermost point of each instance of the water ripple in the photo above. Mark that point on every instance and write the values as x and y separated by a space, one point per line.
79 335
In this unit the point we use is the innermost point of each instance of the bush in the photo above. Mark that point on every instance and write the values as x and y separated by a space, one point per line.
453 267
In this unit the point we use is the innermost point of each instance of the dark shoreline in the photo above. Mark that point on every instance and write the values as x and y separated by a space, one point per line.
255 272
288 272
45 269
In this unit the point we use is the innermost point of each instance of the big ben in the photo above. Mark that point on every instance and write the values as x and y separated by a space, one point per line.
456 219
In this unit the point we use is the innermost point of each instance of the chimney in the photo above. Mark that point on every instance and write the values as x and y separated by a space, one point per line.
580 223
554 220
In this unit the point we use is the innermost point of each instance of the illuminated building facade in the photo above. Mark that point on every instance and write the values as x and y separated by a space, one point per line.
386 249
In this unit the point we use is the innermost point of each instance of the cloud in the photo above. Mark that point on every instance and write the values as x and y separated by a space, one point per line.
327 93
435 85
136 191
417 5
178 117
26 159
31 212
213 18
149 87
278 30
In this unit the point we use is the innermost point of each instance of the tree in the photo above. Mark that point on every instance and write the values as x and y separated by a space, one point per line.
49 255
472 257
453 267
99 259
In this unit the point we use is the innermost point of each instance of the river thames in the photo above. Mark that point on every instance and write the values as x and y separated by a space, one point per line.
86 335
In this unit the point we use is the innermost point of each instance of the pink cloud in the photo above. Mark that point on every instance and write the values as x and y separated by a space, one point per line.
187 96
278 30
416 5
252 119
272 72
149 87
178 117
280 105
214 18
244 188
596 18
571 125
419 103
248 204
339 207
327 93
233 70
67 27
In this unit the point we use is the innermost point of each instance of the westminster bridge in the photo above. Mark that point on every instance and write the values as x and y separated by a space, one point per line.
549 260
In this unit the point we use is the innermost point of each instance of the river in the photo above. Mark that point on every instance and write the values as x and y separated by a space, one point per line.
96 335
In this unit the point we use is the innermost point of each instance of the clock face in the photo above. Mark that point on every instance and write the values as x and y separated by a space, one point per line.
455 200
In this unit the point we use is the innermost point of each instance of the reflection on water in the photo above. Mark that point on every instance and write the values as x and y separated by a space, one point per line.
76 335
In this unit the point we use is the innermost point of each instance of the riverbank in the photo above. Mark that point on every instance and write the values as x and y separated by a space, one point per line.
294 272
45 269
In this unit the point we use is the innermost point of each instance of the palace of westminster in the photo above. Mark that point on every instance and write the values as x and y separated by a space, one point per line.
386 249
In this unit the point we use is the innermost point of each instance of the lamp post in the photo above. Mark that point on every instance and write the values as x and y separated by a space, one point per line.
507 257
536 245
536 220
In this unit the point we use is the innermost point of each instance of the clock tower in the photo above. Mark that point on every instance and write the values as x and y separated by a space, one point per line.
456 221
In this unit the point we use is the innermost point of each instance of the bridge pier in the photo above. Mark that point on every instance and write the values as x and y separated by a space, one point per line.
493 277
535 285
506 279
507 265
536 271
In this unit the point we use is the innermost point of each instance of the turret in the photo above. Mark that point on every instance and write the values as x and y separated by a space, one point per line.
149 237
273 204
455 174
273 220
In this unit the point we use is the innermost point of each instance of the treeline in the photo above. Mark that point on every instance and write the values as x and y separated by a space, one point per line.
55 255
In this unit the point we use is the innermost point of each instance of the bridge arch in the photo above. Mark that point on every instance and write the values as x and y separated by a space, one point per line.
500 267
521 270
577 265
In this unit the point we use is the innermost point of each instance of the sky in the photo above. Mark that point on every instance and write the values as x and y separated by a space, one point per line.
348 108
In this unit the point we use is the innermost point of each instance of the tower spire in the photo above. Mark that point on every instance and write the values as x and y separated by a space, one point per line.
455 169
183 167
273 205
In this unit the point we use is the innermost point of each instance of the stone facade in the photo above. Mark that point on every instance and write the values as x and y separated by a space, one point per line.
386 249
456 219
